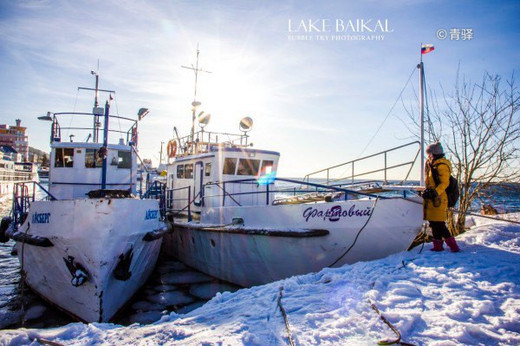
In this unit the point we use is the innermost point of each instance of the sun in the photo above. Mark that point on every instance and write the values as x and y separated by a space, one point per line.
234 90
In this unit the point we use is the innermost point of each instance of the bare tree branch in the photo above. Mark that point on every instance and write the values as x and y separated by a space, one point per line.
483 137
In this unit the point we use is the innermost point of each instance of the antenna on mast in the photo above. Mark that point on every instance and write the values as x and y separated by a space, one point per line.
97 124
195 103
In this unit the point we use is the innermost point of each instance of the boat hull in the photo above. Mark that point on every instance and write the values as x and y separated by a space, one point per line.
299 239
101 237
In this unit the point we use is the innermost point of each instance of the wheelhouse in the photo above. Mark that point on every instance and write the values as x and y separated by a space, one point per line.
195 175
76 168
80 168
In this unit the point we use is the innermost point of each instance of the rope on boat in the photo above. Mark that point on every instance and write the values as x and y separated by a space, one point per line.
357 235
284 314
397 340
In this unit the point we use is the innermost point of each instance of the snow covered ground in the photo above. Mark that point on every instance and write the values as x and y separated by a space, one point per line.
471 297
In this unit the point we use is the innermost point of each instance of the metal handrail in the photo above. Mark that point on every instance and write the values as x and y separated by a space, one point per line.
385 169
169 201
268 191
153 187
56 128
22 199
87 113
157 190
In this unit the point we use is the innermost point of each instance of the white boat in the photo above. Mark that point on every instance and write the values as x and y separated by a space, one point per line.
232 220
90 244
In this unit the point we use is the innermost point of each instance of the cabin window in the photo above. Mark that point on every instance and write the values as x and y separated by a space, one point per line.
267 167
124 159
207 169
64 157
230 165
248 167
180 171
92 159
188 171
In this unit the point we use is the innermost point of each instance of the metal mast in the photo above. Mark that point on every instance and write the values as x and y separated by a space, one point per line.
195 103
421 112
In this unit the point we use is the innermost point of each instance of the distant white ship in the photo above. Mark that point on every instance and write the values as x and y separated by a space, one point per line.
12 172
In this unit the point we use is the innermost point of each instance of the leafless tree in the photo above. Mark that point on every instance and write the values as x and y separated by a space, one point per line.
479 128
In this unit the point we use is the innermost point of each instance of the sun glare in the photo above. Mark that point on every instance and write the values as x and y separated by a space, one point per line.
234 90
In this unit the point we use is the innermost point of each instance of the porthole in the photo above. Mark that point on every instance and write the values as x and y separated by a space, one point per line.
212 242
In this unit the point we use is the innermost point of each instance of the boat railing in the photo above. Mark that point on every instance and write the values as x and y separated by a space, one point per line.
327 173
170 201
56 128
203 141
154 190
269 189
157 190
23 195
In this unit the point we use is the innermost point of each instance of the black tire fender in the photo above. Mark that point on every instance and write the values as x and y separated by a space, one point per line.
4 225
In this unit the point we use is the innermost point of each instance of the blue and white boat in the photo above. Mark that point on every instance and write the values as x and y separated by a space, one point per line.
91 243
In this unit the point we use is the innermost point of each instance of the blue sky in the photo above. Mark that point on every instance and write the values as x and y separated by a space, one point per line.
317 102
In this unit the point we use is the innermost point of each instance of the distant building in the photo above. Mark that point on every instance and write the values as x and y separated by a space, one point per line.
8 153
14 136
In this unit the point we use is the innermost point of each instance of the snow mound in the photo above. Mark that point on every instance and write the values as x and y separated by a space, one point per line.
471 297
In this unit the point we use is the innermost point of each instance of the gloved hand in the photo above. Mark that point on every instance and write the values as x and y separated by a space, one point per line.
430 194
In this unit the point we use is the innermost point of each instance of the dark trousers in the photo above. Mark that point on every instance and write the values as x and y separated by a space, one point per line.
439 230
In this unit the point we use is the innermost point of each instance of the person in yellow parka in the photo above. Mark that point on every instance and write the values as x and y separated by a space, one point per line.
435 201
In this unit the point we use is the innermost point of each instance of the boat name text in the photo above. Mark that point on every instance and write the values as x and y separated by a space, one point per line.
151 214
41 217
335 213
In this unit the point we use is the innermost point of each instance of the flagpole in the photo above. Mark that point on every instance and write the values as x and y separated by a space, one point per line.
421 113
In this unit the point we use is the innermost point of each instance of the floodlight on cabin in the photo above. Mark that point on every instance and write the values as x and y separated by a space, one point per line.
142 113
47 117
203 119
246 124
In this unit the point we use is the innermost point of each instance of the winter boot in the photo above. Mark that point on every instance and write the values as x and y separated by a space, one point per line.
437 245
452 244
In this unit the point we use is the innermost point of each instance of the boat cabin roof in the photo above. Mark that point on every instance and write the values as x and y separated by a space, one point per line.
215 149
88 145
